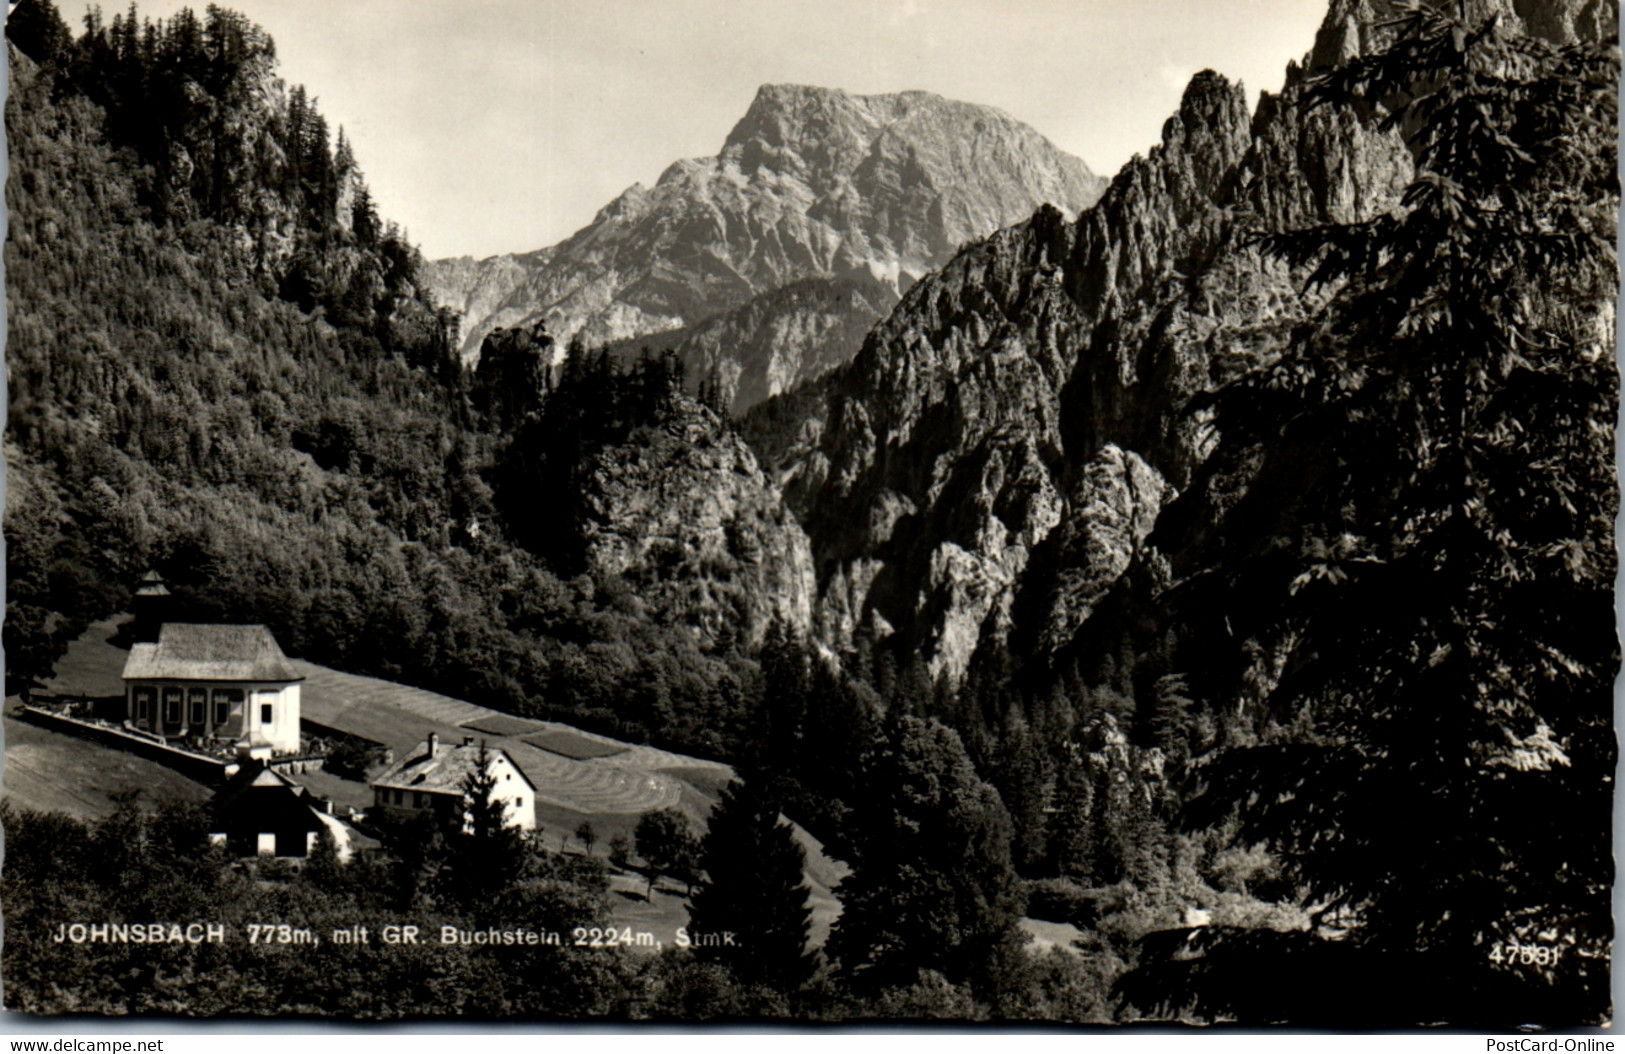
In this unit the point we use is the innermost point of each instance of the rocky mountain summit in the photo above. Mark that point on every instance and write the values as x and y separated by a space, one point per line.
812 183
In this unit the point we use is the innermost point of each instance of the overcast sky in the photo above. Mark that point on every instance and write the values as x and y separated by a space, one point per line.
490 126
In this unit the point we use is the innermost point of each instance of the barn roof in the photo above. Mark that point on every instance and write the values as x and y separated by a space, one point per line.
259 799
196 652
444 772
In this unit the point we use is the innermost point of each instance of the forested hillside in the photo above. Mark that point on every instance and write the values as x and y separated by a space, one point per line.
222 365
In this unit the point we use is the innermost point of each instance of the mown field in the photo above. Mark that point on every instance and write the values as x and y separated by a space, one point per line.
51 771
60 773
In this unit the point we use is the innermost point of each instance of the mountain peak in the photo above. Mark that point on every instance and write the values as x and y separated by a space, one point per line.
812 182
797 114
791 114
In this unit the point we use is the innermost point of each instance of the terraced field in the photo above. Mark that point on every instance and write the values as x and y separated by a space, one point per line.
388 711
625 779
504 725
571 744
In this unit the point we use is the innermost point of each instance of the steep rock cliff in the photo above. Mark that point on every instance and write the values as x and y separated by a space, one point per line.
1038 381
995 456
684 513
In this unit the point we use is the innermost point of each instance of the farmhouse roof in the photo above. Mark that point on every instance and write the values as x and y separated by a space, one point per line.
445 771
194 652
259 799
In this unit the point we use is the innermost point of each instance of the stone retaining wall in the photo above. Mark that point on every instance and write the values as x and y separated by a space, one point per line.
200 767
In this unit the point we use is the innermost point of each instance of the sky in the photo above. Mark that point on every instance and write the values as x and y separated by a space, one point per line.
493 126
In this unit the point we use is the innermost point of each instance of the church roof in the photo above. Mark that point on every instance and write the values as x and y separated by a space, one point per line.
197 652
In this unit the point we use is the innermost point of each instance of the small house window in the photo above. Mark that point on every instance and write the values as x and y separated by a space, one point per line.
172 705
519 803
399 798
265 713
143 704
196 699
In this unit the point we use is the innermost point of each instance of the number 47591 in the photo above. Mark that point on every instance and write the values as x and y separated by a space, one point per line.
1525 954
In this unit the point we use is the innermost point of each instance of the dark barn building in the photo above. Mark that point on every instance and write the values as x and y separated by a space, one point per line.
259 813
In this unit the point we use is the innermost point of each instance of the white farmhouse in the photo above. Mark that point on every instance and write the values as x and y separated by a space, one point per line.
433 775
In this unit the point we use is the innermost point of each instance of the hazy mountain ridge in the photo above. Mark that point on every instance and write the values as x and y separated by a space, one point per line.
811 182
775 340
476 288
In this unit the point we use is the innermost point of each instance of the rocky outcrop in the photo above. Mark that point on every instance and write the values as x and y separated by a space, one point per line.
999 450
810 183
993 459
1112 509
684 514
1358 27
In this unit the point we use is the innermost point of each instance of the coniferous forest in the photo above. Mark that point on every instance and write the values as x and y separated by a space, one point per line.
1330 744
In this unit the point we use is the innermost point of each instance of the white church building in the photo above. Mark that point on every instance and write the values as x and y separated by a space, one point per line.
227 684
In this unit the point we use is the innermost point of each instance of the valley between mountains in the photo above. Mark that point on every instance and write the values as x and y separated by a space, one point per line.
990 589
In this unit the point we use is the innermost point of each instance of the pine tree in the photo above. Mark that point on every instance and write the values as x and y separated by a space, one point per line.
364 219
1424 555
1018 773
487 854
36 27
755 887
1071 841
323 869
786 695
933 887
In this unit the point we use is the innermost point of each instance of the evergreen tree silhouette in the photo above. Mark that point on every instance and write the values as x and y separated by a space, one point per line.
755 888
1424 555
